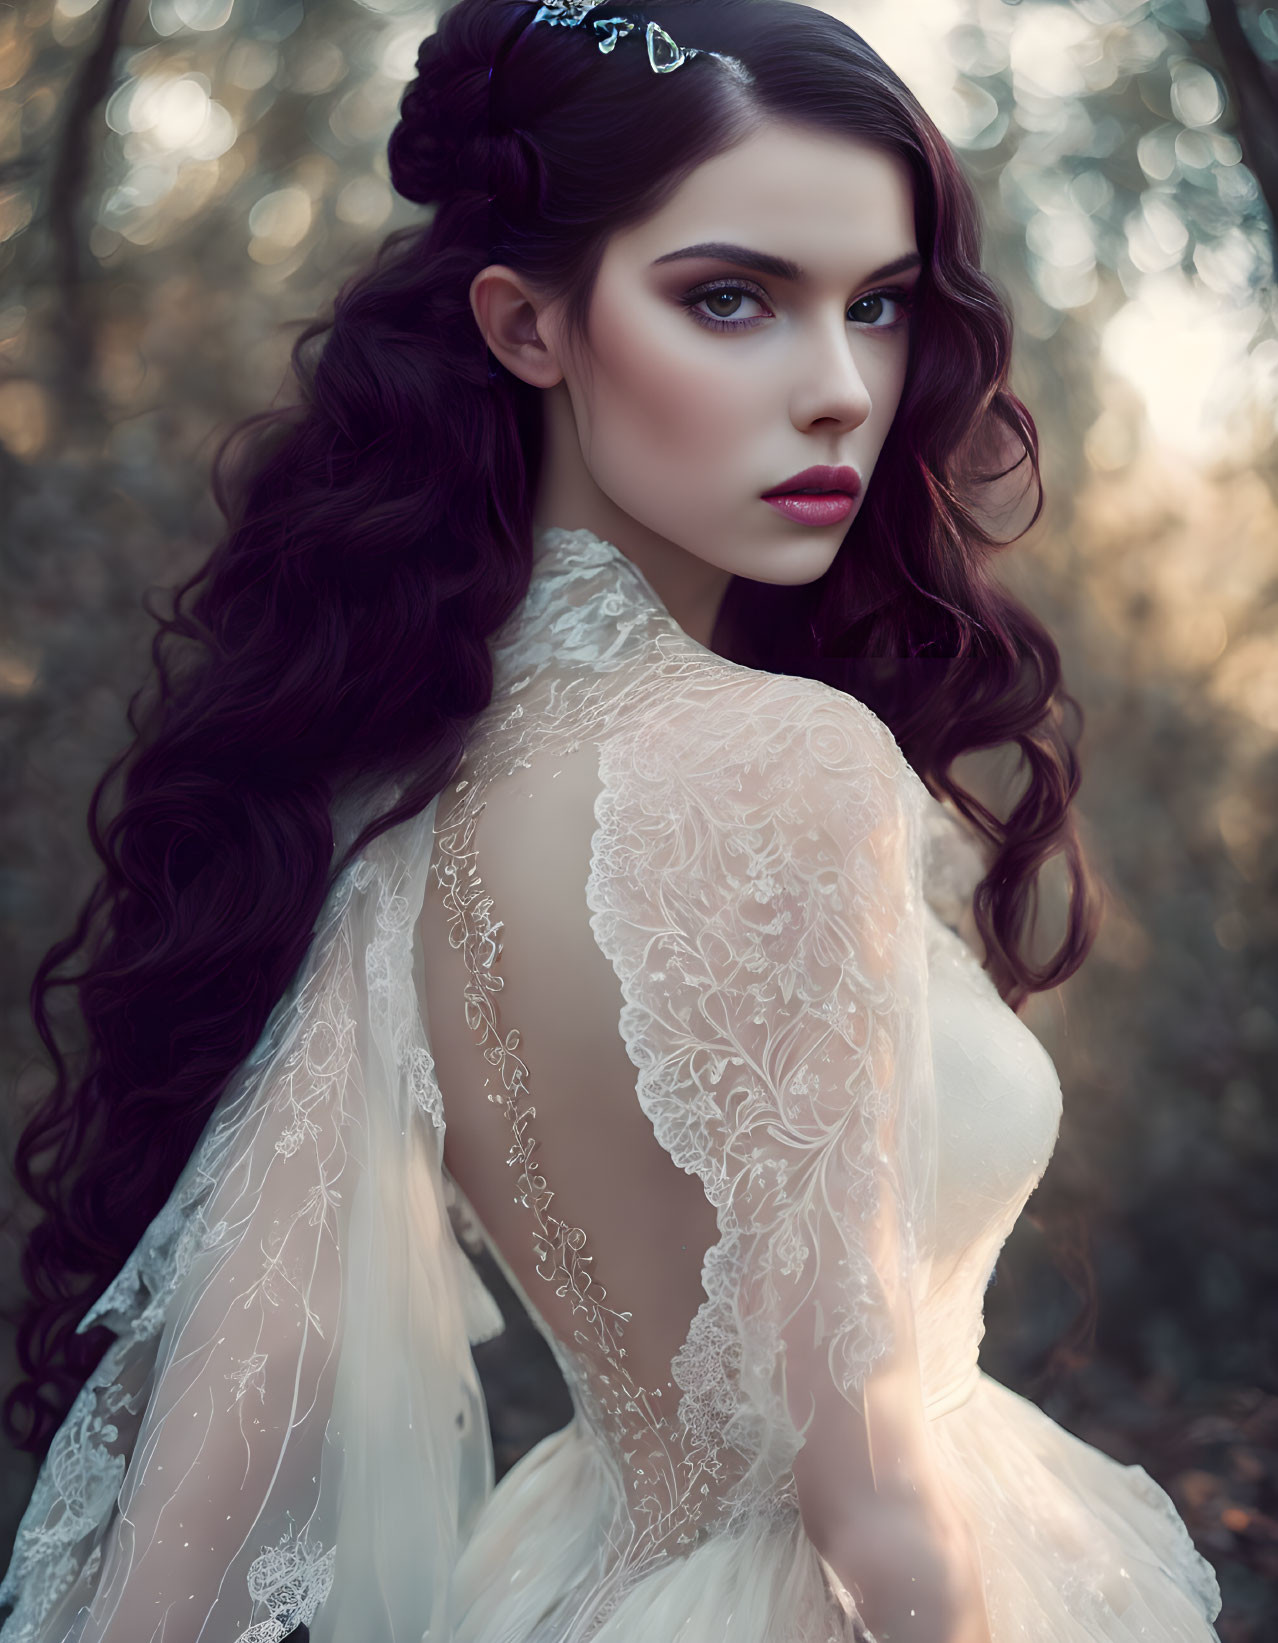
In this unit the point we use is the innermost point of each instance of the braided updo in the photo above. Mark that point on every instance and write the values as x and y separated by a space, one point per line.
450 140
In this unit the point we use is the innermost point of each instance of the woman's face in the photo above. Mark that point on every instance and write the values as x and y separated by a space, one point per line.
714 375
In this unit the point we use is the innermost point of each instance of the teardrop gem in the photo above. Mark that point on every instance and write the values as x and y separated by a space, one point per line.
663 53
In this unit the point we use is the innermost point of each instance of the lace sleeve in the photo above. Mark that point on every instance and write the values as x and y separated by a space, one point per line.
757 885
288 1429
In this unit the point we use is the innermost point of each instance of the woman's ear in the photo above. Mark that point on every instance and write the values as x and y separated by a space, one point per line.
516 324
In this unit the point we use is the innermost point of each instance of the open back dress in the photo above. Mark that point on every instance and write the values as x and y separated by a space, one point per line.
665 999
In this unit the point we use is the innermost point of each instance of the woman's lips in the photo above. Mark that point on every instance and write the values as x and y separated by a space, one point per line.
826 509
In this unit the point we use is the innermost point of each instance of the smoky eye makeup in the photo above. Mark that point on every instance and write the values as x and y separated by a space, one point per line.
709 289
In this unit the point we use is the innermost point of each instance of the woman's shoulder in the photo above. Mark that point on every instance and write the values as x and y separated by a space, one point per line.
716 748
782 731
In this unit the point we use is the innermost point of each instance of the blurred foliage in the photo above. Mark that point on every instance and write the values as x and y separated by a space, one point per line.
183 184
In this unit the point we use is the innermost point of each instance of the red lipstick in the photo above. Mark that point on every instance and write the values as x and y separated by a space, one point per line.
817 496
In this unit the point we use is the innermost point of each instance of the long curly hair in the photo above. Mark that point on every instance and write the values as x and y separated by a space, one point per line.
378 532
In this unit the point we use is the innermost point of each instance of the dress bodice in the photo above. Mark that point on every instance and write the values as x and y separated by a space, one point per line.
602 699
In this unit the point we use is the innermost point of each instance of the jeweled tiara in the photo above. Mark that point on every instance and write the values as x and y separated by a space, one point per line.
664 54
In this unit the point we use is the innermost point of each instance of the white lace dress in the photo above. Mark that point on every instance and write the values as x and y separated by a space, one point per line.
663 998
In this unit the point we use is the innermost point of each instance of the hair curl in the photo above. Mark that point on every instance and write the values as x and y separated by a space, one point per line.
379 531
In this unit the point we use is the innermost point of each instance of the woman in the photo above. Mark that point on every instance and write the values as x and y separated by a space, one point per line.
546 789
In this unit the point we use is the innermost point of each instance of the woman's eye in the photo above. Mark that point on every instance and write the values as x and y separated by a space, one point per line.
721 301
875 302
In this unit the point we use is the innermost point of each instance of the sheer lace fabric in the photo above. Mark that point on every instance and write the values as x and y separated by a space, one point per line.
248 1456
673 968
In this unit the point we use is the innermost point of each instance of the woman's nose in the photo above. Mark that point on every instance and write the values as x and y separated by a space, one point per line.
828 385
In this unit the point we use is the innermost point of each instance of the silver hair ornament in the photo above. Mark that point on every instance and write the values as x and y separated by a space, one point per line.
664 55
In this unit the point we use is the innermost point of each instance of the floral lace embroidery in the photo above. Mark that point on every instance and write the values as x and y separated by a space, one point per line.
731 1027
293 1578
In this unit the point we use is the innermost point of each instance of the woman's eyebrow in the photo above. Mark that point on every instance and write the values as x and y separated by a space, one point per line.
779 267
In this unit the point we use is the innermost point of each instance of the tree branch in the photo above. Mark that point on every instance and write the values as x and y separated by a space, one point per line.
1256 92
67 179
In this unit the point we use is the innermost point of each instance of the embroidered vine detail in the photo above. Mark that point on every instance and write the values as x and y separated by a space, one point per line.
672 1481
561 1249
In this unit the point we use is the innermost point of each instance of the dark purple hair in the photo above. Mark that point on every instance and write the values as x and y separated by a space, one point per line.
379 531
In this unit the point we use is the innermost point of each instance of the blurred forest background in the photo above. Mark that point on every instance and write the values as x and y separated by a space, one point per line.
184 183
